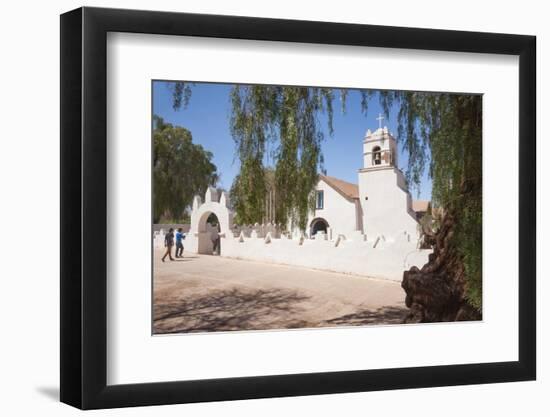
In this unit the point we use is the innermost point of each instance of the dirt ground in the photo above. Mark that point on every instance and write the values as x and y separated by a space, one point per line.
202 293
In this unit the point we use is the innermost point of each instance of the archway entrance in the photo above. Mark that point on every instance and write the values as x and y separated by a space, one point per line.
318 225
209 234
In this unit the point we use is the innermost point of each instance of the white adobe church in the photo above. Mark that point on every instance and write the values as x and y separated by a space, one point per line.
368 228
378 205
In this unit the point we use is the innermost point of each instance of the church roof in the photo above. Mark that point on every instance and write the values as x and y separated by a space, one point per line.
347 189
420 205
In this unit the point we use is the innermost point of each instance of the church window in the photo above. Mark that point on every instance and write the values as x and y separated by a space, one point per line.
320 199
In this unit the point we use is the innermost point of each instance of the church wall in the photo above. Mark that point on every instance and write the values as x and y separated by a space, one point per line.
339 212
387 210
359 215
350 256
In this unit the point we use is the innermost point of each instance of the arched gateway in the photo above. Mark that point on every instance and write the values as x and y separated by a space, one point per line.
201 236
318 224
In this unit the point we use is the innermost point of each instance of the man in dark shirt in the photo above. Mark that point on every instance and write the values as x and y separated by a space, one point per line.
168 243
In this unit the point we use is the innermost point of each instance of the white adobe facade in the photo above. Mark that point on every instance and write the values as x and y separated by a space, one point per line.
379 205
365 229
338 209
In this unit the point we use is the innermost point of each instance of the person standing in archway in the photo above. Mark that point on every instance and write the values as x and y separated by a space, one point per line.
168 243
215 236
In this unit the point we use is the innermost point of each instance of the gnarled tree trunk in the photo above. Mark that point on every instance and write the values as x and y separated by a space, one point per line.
436 292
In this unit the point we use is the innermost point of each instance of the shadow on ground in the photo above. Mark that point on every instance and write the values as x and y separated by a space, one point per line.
251 309
382 315
49 392
233 309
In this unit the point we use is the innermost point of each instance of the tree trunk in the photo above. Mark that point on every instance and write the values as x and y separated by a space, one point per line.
436 293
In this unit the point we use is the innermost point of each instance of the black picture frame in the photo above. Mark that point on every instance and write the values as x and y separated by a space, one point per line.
84 207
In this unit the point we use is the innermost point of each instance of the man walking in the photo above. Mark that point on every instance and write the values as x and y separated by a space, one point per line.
168 243
179 243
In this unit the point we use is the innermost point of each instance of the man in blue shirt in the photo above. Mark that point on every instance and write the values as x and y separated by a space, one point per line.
179 243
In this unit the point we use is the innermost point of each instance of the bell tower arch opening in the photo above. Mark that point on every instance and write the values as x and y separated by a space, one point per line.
376 155
379 149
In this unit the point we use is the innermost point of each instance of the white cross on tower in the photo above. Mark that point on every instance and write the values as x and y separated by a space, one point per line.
380 118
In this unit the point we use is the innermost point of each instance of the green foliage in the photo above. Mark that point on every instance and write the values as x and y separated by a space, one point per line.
181 94
182 219
469 243
285 117
444 133
248 192
212 219
181 169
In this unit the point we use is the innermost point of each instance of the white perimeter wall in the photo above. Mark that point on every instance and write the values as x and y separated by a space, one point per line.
387 261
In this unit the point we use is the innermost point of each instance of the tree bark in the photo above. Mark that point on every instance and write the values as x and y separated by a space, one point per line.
436 293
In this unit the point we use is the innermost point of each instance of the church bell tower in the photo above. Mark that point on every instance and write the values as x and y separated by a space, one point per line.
385 200
379 148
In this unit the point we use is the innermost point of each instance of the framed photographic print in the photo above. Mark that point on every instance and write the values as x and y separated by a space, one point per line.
258 208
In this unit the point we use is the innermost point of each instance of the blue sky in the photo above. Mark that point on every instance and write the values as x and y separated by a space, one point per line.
207 117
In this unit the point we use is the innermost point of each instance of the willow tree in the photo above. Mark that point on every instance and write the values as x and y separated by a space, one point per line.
439 132
443 133
284 119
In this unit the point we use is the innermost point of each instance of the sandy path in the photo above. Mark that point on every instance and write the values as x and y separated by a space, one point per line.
210 293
